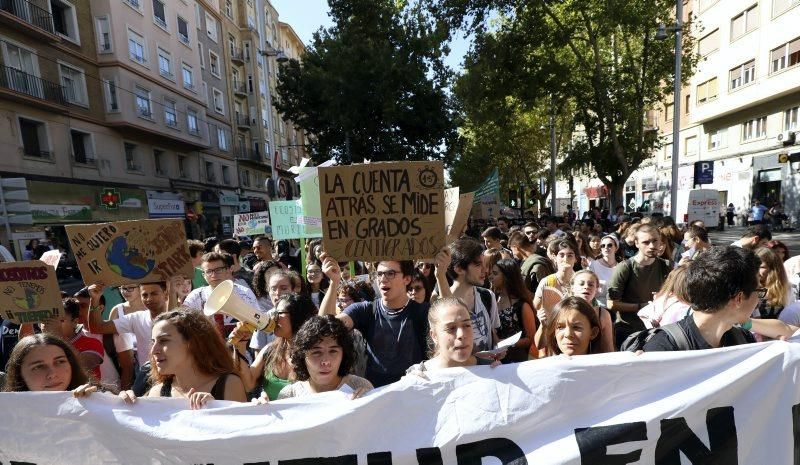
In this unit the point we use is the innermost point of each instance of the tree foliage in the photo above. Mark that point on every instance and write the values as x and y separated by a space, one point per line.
599 56
373 86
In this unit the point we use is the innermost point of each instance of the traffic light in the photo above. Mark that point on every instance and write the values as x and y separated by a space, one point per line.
512 198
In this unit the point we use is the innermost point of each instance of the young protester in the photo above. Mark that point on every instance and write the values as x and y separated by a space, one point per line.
322 355
604 266
90 350
573 330
780 249
585 284
695 241
755 236
515 306
468 272
554 287
218 267
772 276
43 362
427 272
180 288
595 240
260 284
535 264
393 325
635 281
492 238
419 291
314 282
723 287
273 362
190 360
670 303
279 282
196 251
262 248
452 335
584 250
530 229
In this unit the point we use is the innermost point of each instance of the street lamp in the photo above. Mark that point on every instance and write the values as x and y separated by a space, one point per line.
661 34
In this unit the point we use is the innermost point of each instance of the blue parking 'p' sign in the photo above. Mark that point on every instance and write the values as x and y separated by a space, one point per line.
704 172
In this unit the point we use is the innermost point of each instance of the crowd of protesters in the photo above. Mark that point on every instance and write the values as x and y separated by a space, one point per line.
566 287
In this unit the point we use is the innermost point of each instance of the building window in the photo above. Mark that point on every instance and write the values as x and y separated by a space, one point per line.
74 82
706 4
779 6
707 91
103 35
64 21
188 77
744 22
159 162
143 107
165 63
202 56
229 9
687 100
182 173
790 119
34 138
754 129
219 102
134 4
743 74
183 30
669 111
210 173
159 14
112 104
785 56
718 139
131 158
668 152
136 47
245 175
213 61
170 115
82 151
211 27
708 43
690 146
191 122
222 141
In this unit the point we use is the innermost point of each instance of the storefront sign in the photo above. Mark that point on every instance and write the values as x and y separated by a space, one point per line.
230 200
163 208
110 198
44 213
53 202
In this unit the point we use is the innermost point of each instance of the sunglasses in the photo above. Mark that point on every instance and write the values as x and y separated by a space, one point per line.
606 246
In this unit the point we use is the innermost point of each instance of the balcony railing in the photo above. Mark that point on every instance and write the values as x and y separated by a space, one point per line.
20 81
30 13
237 55
239 88
35 152
242 121
247 154
86 159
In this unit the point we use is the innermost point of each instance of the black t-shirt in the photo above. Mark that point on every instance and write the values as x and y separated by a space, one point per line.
662 341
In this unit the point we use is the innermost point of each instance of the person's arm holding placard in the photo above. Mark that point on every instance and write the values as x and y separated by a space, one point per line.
328 305
442 262
95 318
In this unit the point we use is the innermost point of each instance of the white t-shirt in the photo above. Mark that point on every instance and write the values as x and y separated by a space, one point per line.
108 372
260 339
125 341
604 273
140 324
483 322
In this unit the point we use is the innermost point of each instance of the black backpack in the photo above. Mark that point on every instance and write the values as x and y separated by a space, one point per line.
637 340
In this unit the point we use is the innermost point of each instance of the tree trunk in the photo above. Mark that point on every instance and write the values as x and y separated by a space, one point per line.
615 196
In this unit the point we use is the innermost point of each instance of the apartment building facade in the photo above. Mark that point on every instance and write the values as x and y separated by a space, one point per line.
134 101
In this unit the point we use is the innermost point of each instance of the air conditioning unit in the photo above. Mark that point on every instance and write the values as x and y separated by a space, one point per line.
787 138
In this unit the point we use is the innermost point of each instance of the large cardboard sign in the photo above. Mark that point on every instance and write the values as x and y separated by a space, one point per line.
285 224
383 211
29 292
130 251
251 224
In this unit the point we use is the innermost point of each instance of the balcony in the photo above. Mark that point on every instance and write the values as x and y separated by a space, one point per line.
246 154
237 56
85 159
38 21
239 89
243 122
28 84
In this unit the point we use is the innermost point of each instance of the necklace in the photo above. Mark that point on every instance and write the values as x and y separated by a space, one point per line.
390 311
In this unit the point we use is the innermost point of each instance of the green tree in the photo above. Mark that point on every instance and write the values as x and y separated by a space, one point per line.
373 86
598 56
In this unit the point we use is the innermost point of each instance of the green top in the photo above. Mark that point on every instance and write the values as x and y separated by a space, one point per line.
273 385
198 280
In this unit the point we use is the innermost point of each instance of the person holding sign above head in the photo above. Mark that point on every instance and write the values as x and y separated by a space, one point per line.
322 355
190 359
394 326
218 267
452 335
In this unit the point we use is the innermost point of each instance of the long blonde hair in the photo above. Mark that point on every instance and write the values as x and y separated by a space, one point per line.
776 282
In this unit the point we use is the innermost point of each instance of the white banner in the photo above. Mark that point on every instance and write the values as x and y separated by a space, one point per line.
728 406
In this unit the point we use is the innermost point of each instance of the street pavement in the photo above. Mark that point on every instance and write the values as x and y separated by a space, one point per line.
731 234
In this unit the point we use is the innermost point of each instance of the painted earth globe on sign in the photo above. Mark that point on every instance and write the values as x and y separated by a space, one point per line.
128 260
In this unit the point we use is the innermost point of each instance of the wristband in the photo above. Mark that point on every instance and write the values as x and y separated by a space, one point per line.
748 325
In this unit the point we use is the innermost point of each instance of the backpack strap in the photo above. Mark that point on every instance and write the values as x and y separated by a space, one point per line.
486 299
678 335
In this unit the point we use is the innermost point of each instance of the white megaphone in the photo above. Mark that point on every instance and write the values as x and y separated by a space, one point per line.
224 299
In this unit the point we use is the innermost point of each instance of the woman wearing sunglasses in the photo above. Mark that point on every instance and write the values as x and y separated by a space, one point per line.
603 267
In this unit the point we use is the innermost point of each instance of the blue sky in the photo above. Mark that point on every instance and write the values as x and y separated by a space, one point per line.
306 16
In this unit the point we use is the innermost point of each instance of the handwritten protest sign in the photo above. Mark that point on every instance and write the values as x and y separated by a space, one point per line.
284 215
251 224
450 207
308 179
460 217
29 292
130 251
383 211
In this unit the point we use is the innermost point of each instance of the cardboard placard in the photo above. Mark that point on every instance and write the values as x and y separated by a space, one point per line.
285 224
29 292
251 224
51 257
461 216
128 252
450 207
383 211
